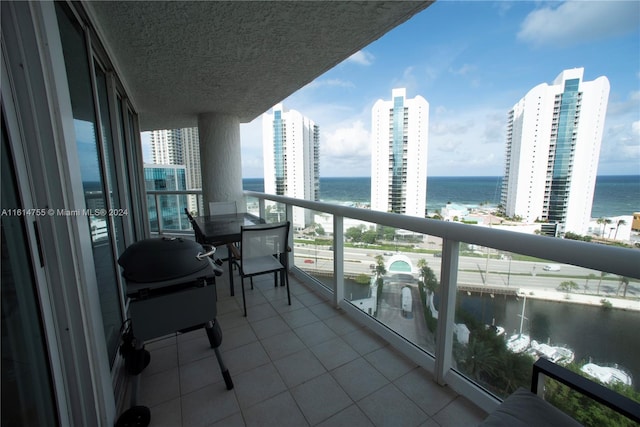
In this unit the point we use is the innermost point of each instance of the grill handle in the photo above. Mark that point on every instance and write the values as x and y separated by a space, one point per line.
210 251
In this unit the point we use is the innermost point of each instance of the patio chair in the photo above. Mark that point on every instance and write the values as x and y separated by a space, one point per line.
264 249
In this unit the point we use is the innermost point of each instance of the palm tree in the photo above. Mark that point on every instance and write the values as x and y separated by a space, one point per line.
428 276
624 281
620 222
380 270
591 276
601 222
602 274
422 263
479 360
607 221
568 286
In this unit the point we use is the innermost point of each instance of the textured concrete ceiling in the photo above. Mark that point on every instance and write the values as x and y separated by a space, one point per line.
181 58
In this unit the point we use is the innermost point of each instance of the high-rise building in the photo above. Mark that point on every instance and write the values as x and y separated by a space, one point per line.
291 152
399 134
180 147
191 157
166 146
554 135
169 208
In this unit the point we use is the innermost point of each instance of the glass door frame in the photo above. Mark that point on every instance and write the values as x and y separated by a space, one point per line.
36 96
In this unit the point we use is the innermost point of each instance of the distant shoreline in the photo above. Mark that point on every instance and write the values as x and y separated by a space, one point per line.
614 195
449 176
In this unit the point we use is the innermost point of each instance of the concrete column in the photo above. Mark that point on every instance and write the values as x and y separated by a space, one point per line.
220 159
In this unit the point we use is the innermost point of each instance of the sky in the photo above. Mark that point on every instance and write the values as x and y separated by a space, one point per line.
473 61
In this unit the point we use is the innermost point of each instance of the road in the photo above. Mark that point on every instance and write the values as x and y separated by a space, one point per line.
472 270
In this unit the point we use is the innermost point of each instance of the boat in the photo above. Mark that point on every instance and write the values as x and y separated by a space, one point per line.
498 330
556 354
517 343
608 374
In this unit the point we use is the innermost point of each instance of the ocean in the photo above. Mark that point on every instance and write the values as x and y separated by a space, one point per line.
615 195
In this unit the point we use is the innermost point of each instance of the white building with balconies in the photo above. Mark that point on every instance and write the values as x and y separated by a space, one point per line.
399 139
554 135
291 153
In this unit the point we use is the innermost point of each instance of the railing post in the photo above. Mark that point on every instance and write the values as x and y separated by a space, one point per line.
158 215
289 211
447 309
261 208
338 259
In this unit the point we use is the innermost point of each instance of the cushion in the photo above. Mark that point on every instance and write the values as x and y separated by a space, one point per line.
523 408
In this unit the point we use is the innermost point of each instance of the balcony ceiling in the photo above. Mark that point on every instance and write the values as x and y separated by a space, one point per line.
178 59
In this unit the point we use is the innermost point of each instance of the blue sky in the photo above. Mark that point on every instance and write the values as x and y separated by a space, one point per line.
472 61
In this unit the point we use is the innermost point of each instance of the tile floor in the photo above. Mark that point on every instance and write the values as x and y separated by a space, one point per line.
306 364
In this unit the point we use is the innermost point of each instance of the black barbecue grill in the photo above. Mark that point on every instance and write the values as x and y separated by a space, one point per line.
171 285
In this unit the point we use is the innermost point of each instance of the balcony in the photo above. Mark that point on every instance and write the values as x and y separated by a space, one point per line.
510 281
304 364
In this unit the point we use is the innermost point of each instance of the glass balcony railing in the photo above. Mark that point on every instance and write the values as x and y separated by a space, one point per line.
473 305
165 210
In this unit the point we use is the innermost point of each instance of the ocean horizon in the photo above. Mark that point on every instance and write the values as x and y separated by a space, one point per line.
614 195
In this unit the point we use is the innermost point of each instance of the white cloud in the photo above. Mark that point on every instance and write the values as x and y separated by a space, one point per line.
463 70
503 7
450 127
466 143
621 140
361 57
345 150
344 139
318 83
574 22
251 149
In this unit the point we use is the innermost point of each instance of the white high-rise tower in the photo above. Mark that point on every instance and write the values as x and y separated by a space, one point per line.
180 147
399 133
166 146
291 152
554 135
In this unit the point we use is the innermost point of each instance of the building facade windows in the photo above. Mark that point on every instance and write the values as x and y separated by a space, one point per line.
291 150
567 126
399 154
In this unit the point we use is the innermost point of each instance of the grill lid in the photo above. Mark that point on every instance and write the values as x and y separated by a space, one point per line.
161 259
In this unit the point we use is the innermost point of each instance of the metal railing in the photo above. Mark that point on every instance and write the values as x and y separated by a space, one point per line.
613 260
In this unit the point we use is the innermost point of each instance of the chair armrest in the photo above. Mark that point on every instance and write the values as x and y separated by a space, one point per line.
591 389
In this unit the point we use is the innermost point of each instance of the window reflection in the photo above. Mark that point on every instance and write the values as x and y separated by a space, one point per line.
27 393
93 177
